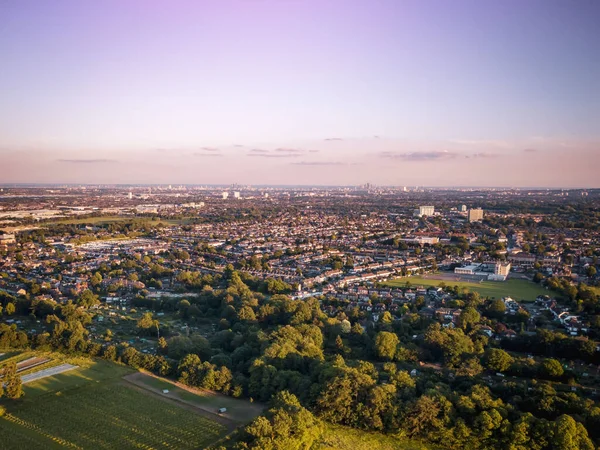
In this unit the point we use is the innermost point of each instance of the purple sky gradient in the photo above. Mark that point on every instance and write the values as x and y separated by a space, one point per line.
301 92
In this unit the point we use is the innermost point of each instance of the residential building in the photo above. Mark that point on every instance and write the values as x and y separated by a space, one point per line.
424 211
475 215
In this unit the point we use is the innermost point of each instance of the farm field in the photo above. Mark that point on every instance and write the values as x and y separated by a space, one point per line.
521 290
91 407
240 411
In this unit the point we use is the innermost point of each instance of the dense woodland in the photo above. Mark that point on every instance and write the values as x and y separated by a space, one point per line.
311 367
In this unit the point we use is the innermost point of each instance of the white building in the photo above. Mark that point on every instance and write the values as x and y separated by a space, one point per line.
468 270
236 194
225 195
424 211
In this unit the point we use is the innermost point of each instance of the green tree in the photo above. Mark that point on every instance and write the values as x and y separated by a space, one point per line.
386 344
570 435
287 425
87 299
468 318
10 309
496 309
497 360
551 368
147 324
12 381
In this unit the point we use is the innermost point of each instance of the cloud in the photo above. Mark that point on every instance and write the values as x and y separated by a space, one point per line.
88 161
313 151
489 143
530 150
485 155
239 145
289 150
271 155
204 155
319 163
420 156
258 150
333 139
210 149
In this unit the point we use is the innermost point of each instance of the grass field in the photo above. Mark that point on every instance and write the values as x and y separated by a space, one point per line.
93 408
343 438
517 289
241 411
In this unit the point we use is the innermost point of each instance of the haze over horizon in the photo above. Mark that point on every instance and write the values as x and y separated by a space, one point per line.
312 92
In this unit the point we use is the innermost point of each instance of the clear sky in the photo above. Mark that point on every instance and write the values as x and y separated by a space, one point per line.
394 92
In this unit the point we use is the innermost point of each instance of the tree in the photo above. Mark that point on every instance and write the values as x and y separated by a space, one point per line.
147 325
87 299
287 425
10 309
570 435
498 360
551 368
12 381
468 318
339 344
449 344
591 271
96 279
386 344
496 309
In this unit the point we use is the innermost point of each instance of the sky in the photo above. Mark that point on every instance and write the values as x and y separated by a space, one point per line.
323 92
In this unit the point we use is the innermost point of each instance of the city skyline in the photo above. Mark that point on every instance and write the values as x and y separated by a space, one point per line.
301 93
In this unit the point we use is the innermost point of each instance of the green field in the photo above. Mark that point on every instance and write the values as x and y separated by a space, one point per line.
522 290
93 408
241 411
344 438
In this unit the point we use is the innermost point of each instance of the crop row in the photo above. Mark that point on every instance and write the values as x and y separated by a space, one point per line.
115 416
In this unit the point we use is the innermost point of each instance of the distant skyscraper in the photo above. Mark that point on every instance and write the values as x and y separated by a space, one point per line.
225 195
130 195
463 208
475 215
236 194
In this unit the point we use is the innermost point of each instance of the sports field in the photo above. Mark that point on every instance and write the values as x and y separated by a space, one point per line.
92 407
521 290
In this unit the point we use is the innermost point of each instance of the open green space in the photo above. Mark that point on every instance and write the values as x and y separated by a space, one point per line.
343 438
522 290
92 408
239 410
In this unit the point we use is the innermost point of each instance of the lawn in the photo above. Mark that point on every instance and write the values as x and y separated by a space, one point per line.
93 408
522 290
344 438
